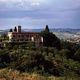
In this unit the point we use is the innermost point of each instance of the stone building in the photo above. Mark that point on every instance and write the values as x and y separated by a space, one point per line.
17 35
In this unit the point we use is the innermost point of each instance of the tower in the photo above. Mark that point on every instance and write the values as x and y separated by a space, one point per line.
19 29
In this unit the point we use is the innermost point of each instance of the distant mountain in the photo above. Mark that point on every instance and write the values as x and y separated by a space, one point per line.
52 30
32 30
61 33
68 30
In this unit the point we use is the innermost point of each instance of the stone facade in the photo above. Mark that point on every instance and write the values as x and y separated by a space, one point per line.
19 36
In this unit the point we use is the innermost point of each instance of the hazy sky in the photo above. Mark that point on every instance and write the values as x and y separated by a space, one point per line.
38 13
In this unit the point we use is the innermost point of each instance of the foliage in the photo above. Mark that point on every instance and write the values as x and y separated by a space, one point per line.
77 55
15 29
49 39
56 58
10 30
45 61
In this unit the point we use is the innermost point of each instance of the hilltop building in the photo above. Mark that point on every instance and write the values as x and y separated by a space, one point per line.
17 35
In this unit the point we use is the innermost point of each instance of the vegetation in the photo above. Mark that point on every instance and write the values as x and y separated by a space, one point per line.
15 29
10 30
49 39
43 61
57 61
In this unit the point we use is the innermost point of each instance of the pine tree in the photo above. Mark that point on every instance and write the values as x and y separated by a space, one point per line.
47 28
10 30
50 39
15 29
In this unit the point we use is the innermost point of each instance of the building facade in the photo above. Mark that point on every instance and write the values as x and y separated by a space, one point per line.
17 35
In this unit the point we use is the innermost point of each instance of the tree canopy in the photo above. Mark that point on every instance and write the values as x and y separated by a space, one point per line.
15 29
50 39
10 30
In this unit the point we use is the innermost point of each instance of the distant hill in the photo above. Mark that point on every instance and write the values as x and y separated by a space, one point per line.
55 30
52 30
61 33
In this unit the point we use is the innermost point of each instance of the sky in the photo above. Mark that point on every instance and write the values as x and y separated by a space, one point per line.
32 14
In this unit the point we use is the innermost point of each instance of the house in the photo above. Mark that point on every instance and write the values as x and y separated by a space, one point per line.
19 36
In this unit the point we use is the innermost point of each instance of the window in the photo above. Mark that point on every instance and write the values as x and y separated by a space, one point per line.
18 35
26 40
13 35
17 40
22 40
27 35
22 35
13 40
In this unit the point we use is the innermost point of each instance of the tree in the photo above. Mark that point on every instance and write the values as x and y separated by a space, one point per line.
65 53
10 30
47 28
49 39
77 55
15 29
4 58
